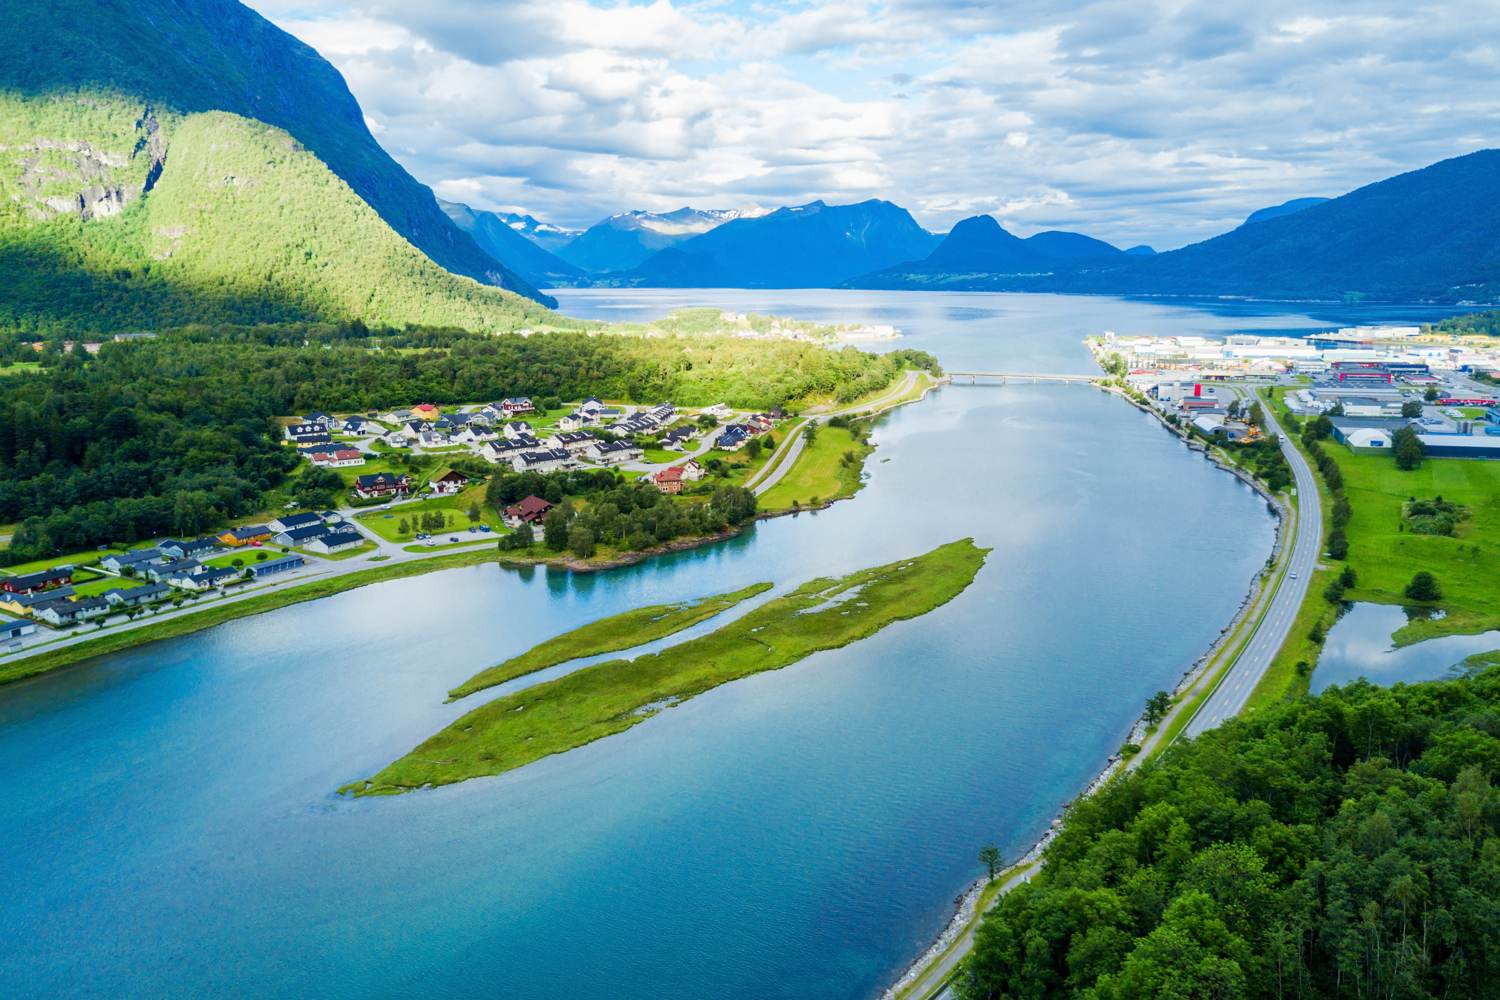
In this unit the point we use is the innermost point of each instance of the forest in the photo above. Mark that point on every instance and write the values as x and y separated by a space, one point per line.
1336 846
176 433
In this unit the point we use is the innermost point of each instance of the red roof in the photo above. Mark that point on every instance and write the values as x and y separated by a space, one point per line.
530 509
672 475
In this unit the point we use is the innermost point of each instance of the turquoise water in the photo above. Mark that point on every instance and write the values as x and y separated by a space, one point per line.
170 817
1359 645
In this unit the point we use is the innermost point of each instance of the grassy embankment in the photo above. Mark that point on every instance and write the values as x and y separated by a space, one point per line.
828 469
607 635
1385 556
607 698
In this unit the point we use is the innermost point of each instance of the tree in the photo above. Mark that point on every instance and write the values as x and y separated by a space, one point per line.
1234 408
1338 544
1411 408
1157 707
1408 449
1424 587
1431 395
810 432
1337 409
989 856
404 528
473 513
1348 577
1256 417
555 529
752 449
581 541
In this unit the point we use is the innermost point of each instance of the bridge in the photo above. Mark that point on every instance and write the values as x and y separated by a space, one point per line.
1002 378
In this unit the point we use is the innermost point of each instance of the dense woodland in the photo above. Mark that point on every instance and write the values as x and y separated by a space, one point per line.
174 434
1485 324
1339 846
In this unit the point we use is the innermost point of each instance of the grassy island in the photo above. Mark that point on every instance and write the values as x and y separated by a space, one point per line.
608 635
608 698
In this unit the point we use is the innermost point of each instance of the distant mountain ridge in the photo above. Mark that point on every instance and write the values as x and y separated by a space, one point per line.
979 245
805 246
624 241
503 242
1291 207
549 237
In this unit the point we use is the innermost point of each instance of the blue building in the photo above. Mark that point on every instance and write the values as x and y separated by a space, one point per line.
272 567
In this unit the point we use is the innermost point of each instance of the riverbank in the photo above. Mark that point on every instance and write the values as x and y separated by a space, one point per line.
926 975
593 702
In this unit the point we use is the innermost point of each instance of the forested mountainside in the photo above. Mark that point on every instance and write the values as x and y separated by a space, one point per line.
501 241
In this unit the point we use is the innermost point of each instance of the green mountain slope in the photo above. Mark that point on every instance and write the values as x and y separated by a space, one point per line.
241 225
161 59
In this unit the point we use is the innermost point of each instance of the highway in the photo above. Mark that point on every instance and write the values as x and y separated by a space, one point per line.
1235 689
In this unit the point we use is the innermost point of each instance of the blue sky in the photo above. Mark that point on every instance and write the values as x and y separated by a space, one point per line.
1137 121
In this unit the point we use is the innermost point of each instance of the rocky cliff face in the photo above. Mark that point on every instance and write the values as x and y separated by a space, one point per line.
64 176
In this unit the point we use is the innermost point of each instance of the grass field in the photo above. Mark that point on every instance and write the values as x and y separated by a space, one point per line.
455 511
607 635
87 558
607 698
820 472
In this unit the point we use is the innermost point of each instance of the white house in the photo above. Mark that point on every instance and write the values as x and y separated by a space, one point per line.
613 452
543 460
718 410
517 429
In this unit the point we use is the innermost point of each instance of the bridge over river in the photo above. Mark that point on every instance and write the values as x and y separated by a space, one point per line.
1002 378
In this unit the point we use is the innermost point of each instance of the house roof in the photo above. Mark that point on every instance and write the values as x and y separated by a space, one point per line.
342 536
532 506
670 475
449 475
248 531
278 563
306 532
299 520
40 598
382 479
26 581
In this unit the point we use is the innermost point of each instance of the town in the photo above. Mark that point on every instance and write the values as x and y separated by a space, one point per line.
414 485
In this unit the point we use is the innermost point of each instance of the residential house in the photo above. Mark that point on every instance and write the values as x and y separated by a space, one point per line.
66 612
759 423
286 522
12 631
532 510
669 480
517 404
273 567
504 451
573 442
355 425
336 540
247 534
481 418
171 570
179 549
448 482
475 433
47 579
661 413
307 433
323 420
395 417
517 429
301 535
634 425
135 559
592 405
336 458
613 452
691 471
718 410
382 484
677 438
410 431
134 597
22 604
425 411
576 420
733 438
432 439
541 460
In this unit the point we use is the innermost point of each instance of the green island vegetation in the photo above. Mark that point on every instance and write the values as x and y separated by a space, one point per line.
1338 845
177 434
827 469
607 635
598 512
606 698
1485 323
1388 519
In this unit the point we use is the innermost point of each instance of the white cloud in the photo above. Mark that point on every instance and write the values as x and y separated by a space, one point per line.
1158 121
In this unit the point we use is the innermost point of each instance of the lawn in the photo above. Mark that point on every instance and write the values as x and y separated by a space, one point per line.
661 456
87 558
820 472
21 368
606 698
98 583
607 635
455 511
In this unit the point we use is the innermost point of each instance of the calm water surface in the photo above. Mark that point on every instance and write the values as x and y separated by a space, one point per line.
1359 645
169 816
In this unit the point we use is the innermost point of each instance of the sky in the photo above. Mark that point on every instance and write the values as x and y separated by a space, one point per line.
1136 121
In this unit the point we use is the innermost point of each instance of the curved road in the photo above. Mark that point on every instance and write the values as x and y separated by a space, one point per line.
1234 690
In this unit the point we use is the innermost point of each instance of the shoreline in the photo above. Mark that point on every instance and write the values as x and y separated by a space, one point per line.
965 909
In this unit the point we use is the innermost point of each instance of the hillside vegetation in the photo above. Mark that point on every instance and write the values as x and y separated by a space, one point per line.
166 58
241 225
1339 846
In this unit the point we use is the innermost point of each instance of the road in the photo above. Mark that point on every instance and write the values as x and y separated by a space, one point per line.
1232 693
1228 699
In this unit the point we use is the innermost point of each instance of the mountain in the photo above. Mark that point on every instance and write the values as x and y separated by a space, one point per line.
622 241
809 246
544 234
1141 250
1428 235
509 247
980 246
95 90
1285 208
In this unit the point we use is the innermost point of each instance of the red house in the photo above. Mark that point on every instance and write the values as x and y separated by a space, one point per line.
532 510
46 579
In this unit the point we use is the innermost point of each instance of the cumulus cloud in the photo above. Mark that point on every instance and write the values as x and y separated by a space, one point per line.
1160 121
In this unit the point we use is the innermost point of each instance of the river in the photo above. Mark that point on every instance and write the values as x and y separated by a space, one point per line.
170 817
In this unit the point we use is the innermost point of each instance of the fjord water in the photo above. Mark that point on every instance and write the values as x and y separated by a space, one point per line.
170 817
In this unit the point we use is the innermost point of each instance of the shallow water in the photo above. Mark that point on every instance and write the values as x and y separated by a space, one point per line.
170 811
1359 645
